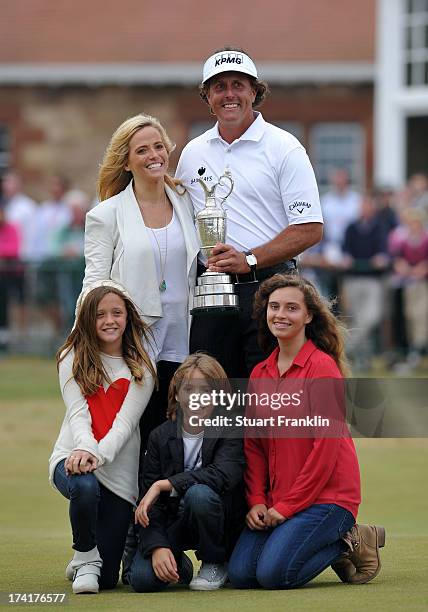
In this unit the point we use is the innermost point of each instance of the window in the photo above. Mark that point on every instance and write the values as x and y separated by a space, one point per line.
338 145
416 42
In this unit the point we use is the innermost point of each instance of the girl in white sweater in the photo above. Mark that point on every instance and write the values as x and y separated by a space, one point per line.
106 380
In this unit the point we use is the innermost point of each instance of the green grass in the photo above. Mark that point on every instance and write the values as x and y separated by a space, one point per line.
36 543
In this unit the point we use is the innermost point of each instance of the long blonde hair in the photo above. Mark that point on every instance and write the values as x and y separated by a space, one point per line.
325 330
88 370
112 176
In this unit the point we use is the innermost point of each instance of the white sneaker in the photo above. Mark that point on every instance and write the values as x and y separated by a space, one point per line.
85 569
211 576
69 571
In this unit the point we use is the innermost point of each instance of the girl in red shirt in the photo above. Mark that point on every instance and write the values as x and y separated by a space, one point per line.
303 492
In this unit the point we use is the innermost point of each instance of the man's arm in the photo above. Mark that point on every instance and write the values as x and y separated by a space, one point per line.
287 244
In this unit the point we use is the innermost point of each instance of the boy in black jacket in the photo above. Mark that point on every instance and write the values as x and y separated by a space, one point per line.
194 489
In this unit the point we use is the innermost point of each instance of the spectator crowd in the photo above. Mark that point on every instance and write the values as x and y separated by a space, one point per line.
41 257
373 261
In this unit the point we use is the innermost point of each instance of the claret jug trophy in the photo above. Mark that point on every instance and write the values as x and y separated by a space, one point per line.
214 292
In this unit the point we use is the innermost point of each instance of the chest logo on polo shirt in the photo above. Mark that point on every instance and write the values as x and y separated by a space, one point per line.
201 172
299 206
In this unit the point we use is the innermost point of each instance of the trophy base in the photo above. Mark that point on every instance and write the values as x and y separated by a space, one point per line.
215 294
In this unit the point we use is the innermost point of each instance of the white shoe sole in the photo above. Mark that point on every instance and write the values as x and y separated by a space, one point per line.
206 587
85 588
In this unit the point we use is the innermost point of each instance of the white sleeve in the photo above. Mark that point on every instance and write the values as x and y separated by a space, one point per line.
299 190
77 410
99 248
127 419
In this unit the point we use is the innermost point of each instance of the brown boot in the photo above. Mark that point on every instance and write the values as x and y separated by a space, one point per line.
364 542
344 568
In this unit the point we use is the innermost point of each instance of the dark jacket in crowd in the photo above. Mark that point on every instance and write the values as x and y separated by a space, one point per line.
222 469
363 240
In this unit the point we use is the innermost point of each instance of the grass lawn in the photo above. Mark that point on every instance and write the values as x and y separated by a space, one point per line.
36 541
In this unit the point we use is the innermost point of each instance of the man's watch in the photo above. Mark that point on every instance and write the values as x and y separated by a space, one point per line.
251 260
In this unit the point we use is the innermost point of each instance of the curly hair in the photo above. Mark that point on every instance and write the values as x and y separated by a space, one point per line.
325 330
88 370
112 176
208 366
260 87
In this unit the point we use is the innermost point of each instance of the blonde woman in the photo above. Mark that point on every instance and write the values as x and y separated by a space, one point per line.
142 235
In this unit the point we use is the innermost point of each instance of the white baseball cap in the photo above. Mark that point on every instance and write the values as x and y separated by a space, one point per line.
228 61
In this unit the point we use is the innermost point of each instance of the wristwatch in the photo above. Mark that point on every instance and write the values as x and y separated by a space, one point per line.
251 260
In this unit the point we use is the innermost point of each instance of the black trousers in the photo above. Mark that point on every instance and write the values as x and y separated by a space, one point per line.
199 525
155 412
232 338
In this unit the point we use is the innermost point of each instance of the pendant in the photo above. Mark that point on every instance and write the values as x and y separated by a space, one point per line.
162 285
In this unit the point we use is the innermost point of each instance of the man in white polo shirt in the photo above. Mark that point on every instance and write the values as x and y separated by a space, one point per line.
273 213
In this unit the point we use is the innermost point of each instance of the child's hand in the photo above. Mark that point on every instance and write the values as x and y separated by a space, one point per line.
274 518
141 513
255 518
80 462
164 565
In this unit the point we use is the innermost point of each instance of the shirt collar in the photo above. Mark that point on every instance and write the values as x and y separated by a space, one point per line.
300 360
254 132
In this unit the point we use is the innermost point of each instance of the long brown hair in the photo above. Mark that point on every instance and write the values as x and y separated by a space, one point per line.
88 370
325 330
208 366
112 176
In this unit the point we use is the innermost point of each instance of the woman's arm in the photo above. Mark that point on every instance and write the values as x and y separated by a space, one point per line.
77 411
256 472
99 246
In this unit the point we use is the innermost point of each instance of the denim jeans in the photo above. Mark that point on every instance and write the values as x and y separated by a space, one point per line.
293 553
199 525
98 518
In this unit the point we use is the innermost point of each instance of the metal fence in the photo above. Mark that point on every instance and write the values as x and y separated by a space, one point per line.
37 302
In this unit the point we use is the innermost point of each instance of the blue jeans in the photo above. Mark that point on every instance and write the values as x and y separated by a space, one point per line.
293 553
199 525
98 518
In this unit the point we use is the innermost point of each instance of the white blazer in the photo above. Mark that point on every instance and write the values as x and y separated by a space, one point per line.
118 246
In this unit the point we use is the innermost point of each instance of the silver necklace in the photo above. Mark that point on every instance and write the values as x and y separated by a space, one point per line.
162 283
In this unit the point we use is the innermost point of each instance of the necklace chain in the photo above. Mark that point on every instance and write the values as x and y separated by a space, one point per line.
162 282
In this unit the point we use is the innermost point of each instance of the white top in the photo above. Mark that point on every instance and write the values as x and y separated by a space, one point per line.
275 184
19 211
118 246
192 446
340 209
49 218
170 332
118 452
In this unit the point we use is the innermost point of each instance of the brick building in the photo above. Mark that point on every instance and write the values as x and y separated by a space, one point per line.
70 72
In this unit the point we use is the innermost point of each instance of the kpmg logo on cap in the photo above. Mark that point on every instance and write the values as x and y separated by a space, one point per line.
228 57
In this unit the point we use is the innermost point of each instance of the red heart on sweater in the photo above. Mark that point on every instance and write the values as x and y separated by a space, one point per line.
104 405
